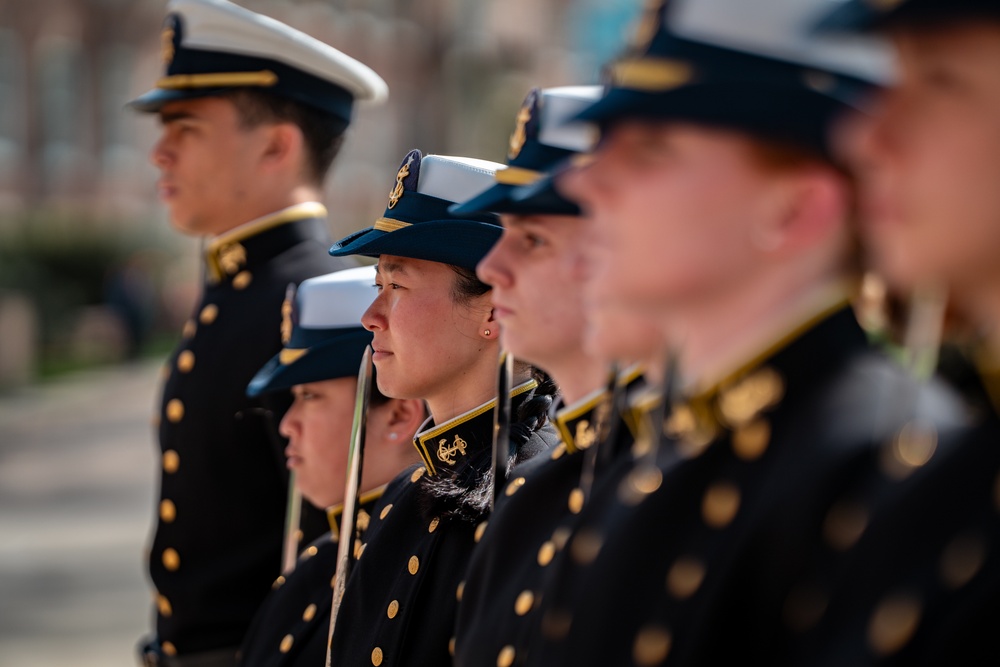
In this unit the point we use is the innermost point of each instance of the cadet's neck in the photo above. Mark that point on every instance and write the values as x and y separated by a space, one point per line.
715 341
576 375
266 203
468 389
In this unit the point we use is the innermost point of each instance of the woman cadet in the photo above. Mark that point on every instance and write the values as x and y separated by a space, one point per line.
923 584
323 345
436 339
714 191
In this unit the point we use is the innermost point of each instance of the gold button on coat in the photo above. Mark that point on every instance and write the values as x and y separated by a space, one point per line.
309 614
393 609
413 565
208 314
171 461
377 656
168 511
185 361
286 643
171 559
175 410
506 657
242 280
523 603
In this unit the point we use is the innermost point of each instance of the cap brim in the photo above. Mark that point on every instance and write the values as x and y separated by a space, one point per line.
542 198
798 116
849 17
538 198
457 242
339 357
153 100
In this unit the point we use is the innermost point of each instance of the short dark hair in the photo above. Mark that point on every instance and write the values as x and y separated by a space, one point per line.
322 133
467 286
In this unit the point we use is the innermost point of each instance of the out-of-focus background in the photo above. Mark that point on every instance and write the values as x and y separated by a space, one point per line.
94 286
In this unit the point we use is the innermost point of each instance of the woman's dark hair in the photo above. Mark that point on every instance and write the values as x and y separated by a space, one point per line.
467 286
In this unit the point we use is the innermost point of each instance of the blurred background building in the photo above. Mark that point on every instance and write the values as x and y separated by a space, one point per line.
90 271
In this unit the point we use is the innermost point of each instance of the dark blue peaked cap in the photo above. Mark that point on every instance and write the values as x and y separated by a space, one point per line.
711 62
417 223
321 331
864 15
542 138
210 47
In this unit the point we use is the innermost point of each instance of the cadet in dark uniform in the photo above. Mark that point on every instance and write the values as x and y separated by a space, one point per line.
324 345
253 114
435 337
922 584
714 189
536 298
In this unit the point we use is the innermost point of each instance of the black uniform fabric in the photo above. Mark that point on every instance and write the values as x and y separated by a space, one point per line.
223 485
922 585
292 626
399 605
707 563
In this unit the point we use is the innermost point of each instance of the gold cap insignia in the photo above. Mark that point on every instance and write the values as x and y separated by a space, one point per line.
397 192
446 453
519 135
286 315
167 45
232 257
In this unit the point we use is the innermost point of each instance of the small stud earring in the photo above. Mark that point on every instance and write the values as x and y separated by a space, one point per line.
487 332
393 436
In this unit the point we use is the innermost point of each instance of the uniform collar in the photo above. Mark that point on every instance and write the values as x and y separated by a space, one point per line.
449 445
760 384
366 501
229 254
577 423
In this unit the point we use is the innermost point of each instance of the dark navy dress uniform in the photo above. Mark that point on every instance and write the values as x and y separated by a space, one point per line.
921 583
400 599
400 602
531 523
292 626
705 563
223 483
323 340
217 544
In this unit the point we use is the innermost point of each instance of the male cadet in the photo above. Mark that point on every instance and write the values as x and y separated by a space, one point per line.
253 115
922 585
714 189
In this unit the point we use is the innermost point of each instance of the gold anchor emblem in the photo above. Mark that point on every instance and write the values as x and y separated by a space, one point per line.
232 257
397 192
446 454
167 45
585 434
286 319
519 136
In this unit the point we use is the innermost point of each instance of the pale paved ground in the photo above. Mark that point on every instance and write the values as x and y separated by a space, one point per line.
77 473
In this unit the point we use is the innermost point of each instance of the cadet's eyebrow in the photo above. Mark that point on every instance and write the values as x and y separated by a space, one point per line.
174 116
390 267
